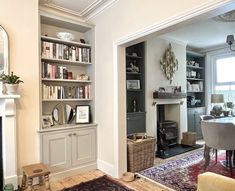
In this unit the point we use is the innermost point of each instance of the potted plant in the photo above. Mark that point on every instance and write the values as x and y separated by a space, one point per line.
11 82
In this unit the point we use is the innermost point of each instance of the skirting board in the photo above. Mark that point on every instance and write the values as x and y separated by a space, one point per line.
13 180
66 173
73 171
106 167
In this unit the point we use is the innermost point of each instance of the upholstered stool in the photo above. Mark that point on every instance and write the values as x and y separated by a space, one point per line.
40 171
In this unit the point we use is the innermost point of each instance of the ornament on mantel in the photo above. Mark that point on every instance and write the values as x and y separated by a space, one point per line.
169 64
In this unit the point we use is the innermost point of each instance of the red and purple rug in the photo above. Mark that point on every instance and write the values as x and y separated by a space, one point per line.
103 183
181 174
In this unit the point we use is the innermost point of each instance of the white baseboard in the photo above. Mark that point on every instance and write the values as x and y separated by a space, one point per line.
13 180
73 171
106 167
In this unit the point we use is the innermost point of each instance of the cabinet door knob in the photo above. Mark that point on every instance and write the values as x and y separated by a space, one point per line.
74 134
70 134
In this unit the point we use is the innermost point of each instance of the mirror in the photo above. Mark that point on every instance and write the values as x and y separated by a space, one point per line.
63 114
3 51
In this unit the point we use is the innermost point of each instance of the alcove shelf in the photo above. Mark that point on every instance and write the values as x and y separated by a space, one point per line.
67 80
135 96
195 78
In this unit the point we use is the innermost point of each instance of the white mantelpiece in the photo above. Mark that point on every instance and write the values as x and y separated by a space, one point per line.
8 114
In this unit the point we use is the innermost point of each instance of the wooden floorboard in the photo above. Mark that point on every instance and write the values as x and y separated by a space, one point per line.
139 184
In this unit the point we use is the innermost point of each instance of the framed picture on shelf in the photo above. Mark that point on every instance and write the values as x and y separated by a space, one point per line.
82 114
133 84
47 121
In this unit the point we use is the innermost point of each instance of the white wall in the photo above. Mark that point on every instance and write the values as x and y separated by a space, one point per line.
126 20
155 78
20 20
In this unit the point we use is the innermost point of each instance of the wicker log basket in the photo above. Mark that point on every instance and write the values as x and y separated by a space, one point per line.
140 152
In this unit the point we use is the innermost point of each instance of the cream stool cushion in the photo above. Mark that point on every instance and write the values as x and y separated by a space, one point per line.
214 182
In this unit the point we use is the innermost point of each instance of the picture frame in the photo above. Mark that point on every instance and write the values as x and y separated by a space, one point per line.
47 121
133 84
82 114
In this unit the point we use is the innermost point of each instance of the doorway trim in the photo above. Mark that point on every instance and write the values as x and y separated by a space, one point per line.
119 110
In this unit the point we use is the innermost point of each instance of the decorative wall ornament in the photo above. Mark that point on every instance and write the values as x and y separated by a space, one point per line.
169 64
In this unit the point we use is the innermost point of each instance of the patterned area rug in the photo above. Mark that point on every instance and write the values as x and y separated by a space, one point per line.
103 183
181 174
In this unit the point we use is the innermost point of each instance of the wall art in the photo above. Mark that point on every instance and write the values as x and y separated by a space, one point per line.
169 64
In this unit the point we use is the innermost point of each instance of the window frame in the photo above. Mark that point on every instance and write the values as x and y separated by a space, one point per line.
216 83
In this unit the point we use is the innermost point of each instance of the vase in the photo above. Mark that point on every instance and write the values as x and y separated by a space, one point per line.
11 88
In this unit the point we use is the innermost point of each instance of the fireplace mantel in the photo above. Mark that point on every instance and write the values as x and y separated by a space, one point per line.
168 101
8 114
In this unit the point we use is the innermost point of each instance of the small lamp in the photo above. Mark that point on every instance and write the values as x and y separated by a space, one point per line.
230 41
217 109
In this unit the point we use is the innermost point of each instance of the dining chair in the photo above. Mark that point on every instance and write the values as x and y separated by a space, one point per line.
203 118
218 136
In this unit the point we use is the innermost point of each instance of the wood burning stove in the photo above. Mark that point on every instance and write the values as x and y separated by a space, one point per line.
167 132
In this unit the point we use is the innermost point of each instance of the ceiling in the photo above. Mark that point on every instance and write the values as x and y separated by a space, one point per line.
201 35
204 34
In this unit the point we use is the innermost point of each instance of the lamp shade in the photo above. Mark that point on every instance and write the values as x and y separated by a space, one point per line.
230 39
217 98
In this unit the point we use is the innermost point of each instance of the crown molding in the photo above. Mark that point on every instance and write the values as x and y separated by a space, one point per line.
94 9
168 22
51 12
62 9
100 9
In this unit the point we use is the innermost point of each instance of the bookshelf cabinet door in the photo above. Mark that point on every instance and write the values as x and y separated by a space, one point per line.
136 122
56 150
83 146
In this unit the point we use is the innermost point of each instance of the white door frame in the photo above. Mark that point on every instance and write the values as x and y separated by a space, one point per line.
205 10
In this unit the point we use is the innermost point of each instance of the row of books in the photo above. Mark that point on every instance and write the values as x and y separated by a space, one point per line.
65 52
65 92
53 71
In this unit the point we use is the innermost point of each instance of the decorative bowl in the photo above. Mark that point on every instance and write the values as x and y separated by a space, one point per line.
128 176
65 36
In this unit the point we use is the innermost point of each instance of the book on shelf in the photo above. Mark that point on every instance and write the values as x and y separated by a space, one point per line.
66 52
65 92
53 71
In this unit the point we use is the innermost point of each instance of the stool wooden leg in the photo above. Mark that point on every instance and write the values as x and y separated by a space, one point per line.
47 182
30 184
23 181
41 181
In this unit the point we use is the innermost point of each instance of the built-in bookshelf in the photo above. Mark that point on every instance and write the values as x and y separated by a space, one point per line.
195 77
67 83
135 88
66 66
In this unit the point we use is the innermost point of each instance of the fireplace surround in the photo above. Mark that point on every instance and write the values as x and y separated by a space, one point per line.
174 117
9 152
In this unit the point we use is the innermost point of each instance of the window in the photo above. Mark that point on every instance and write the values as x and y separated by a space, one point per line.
225 68
225 78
